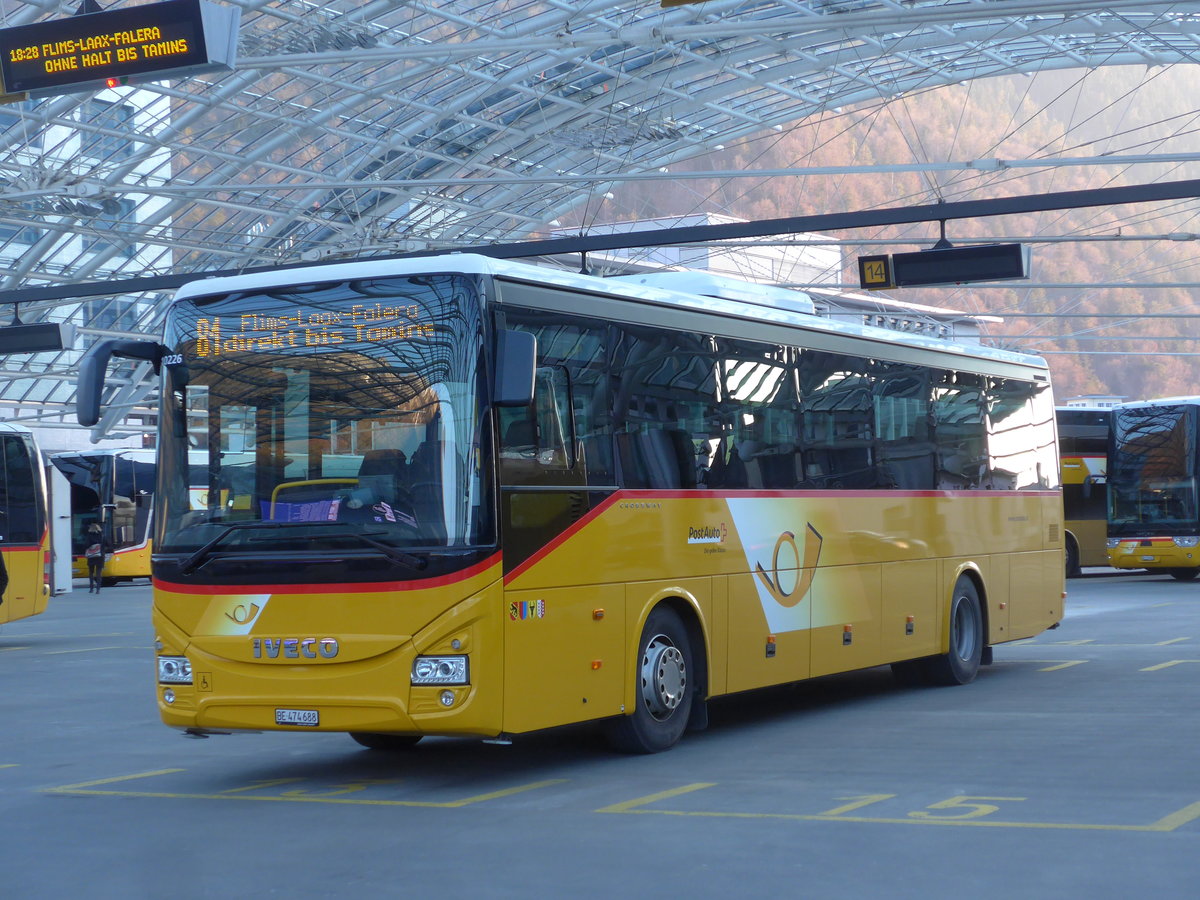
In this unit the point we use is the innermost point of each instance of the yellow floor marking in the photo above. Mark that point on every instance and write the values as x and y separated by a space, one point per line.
87 784
859 803
628 805
88 650
1167 665
85 789
1064 665
1172 641
1169 823
6 649
635 807
259 785
1074 643
9 765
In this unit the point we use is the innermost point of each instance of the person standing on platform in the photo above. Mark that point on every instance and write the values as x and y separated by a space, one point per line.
95 554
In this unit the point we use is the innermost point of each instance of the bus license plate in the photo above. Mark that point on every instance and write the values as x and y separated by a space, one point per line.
1147 559
297 717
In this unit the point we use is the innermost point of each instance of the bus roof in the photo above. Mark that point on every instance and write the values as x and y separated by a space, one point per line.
1160 401
756 303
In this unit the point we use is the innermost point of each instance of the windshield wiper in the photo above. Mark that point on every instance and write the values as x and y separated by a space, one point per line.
206 552
201 556
392 553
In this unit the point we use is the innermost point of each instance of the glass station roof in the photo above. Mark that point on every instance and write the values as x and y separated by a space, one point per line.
352 128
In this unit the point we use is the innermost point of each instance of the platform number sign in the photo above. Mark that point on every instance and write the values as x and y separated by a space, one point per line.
875 272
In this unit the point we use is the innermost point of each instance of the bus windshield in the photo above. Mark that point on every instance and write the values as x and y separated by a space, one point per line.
325 418
1151 472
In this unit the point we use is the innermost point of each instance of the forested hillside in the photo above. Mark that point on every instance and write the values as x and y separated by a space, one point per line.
1131 341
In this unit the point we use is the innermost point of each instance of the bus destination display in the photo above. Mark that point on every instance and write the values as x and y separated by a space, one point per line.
259 333
116 47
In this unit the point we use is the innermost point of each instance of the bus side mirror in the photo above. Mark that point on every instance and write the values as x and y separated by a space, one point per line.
516 353
94 366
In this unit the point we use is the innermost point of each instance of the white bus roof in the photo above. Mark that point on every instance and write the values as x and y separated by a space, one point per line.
1192 400
766 310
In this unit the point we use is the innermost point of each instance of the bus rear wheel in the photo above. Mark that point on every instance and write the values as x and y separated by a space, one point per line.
1184 574
961 663
664 690
373 740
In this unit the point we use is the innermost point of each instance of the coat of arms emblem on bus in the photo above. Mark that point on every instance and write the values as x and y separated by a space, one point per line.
527 609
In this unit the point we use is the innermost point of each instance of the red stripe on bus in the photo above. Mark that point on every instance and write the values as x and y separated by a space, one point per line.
574 528
368 587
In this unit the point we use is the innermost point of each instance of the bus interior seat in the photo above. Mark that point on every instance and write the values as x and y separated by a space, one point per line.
520 437
657 459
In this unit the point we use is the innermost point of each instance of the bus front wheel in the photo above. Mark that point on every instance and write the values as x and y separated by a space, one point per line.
1072 554
1184 574
961 664
665 685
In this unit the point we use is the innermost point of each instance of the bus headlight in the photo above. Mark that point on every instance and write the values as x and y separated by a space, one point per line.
174 670
441 670
1112 543
1187 541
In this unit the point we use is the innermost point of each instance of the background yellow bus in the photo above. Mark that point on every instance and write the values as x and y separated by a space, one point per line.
114 488
459 496
1154 508
1083 434
24 532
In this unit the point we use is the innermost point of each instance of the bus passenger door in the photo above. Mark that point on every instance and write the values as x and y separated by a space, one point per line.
60 530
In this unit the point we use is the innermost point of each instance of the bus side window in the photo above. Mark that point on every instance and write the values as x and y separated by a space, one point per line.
1020 435
838 421
904 448
542 433
20 520
960 431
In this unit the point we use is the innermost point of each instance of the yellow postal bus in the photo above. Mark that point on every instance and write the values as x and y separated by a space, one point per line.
24 532
1154 503
460 496
114 489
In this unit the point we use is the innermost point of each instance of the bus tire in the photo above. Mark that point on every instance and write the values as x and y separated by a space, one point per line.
665 686
373 740
1184 574
1072 554
960 664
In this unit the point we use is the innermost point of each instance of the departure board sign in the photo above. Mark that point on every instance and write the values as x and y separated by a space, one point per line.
960 265
948 265
130 45
272 333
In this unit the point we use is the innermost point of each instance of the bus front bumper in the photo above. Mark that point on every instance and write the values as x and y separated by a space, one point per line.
1154 553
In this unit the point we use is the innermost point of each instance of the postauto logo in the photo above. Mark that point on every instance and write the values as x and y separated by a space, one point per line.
708 534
